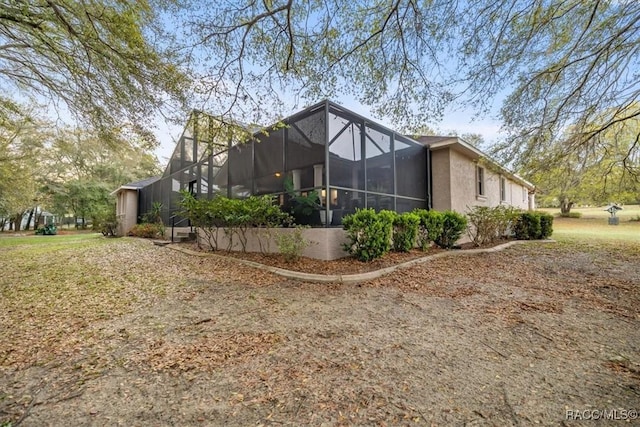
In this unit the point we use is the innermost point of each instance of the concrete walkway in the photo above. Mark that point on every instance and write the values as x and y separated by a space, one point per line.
357 277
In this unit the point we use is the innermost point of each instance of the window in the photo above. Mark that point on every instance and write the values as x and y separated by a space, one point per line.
503 189
480 180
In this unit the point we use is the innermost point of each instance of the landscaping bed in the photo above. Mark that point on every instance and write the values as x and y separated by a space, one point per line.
346 265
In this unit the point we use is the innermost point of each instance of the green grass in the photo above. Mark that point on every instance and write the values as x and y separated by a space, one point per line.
46 244
627 213
593 226
596 229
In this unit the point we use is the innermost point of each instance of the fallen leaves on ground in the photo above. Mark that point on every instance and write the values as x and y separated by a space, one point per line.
120 332
206 353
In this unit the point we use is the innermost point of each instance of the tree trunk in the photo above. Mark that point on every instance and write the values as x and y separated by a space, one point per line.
17 220
565 205
28 224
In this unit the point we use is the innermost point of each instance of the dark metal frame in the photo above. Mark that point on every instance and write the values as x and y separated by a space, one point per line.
194 166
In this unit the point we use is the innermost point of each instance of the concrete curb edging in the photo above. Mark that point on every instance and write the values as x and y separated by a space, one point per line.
357 277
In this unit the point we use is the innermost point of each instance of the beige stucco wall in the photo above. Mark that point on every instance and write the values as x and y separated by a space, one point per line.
441 180
517 195
463 184
326 242
454 184
126 210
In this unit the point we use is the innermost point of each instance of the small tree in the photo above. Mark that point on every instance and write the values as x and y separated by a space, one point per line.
205 215
265 215
106 222
234 216
488 224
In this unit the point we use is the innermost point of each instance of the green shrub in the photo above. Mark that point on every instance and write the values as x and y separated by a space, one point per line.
291 245
506 216
369 234
527 226
546 225
405 231
388 217
154 216
106 222
429 228
147 230
486 225
233 216
533 226
483 227
571 215
453 225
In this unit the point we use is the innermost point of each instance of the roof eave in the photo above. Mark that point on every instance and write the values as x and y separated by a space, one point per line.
460 145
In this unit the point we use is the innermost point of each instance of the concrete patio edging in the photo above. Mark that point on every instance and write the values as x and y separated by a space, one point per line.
357 277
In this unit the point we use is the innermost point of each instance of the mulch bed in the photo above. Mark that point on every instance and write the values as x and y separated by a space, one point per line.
347 265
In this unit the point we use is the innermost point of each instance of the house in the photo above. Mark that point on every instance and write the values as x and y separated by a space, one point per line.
351 161
463 177
129 198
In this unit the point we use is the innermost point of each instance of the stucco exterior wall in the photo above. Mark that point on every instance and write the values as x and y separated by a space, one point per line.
517 195
441 180
463 185
126 210
455 184
326 242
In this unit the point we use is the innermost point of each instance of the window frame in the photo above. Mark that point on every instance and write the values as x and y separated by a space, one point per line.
481 190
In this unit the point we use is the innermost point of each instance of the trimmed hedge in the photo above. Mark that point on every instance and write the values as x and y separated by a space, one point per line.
453 225
533 226
571 215
546 225
405 230
429 228
369 233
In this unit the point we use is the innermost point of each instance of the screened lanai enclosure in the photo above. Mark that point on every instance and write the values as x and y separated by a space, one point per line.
350 161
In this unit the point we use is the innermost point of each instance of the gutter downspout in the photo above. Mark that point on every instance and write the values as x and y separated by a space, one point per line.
429 179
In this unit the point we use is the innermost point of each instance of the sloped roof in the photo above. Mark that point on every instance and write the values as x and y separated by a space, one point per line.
137 185
460 145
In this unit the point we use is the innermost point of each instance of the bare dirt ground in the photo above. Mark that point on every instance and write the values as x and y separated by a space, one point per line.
511 338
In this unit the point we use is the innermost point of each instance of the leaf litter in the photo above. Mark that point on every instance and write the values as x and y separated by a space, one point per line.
121 332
